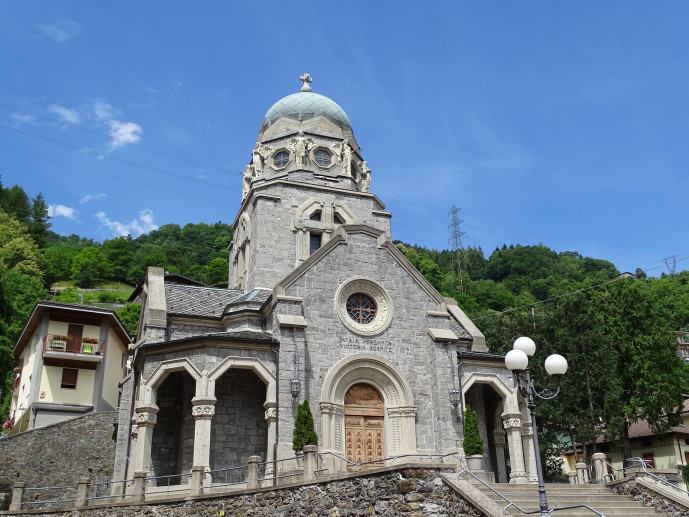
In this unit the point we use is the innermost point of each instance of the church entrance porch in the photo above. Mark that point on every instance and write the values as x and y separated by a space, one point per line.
364 426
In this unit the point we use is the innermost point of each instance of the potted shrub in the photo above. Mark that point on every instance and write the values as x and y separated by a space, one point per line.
473 443
304 433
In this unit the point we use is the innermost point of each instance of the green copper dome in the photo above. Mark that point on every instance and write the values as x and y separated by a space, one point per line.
305 105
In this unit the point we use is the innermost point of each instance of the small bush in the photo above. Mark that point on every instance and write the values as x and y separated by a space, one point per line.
473 443
304 432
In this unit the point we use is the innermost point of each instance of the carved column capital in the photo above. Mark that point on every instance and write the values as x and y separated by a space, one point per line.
328 408
512 421
203 412
146 416
271 415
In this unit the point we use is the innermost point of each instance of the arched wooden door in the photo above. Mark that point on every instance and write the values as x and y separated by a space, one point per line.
364 425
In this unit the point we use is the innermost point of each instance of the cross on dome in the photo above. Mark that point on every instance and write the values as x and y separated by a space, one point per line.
305 79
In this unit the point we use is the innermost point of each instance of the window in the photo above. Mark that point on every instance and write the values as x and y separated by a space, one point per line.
322 157
337 220
314 242
69 378
281 159
361 308
648 457
316 216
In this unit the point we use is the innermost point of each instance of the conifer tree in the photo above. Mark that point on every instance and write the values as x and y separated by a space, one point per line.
304 432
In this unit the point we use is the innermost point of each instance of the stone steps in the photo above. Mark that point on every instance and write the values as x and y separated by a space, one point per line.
598 497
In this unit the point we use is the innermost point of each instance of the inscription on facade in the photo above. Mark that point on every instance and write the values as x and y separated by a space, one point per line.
365 345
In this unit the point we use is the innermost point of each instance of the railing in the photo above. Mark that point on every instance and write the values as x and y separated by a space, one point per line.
512 504
49 497
167 484
229 476
72 344
663 481
200 481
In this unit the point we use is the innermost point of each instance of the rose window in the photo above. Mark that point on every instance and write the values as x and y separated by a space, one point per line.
361 308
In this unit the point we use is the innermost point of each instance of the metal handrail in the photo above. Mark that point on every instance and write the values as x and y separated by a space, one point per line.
511 503
643 463
227 470
390 459
183 486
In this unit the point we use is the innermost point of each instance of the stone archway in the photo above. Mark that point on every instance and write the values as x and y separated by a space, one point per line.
511 420
400 411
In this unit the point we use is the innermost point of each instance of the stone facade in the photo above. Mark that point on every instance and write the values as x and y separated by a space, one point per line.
59 454
402 492
319 298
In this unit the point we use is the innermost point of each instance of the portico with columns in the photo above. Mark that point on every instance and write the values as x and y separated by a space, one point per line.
320 306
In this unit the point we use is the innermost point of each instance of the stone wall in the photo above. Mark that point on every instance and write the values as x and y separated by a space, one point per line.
650 498
59 454
399 492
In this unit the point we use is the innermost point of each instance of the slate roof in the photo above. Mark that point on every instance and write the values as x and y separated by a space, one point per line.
209 302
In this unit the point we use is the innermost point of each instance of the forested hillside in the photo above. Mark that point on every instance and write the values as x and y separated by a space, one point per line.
617 333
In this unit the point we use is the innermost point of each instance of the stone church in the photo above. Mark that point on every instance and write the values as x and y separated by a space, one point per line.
321 306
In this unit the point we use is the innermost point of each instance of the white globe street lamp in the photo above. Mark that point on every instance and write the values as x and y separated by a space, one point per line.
517 361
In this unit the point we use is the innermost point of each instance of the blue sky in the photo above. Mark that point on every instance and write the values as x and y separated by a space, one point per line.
559 123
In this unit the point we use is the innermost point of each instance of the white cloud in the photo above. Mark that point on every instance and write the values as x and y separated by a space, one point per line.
123 133
60 31
136 227
67 115
103 111
92 197
24 118
62 211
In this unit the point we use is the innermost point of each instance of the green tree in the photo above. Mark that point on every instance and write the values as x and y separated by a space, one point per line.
129 316
473 443
18 295
304 431
119 254
217 272
38 227
88 266
58 263
17 249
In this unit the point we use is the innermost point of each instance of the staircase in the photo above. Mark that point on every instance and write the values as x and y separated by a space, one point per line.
598 497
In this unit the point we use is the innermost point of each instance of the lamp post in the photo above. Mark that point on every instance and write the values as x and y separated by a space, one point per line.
517 360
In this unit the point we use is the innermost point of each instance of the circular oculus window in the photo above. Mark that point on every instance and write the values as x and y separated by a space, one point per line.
364 307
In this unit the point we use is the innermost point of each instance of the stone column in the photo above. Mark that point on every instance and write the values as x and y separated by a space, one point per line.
146 418
82 492
196 487
203 410
499 445
17 495
310 462
252 482
139 495
271 419
513 426
332 416
600 467
529 452
582 473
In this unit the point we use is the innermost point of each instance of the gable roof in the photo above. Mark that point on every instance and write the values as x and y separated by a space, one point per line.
67 309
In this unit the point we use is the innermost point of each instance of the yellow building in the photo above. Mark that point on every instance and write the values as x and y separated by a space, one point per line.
663 451
71 359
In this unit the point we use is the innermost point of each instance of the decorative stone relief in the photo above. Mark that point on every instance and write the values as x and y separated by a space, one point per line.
259 155
203 412
301 147
512 423
271 414
365 176
146 416
344 155
383 309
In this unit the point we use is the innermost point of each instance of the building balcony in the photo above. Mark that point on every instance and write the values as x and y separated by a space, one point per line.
69 348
